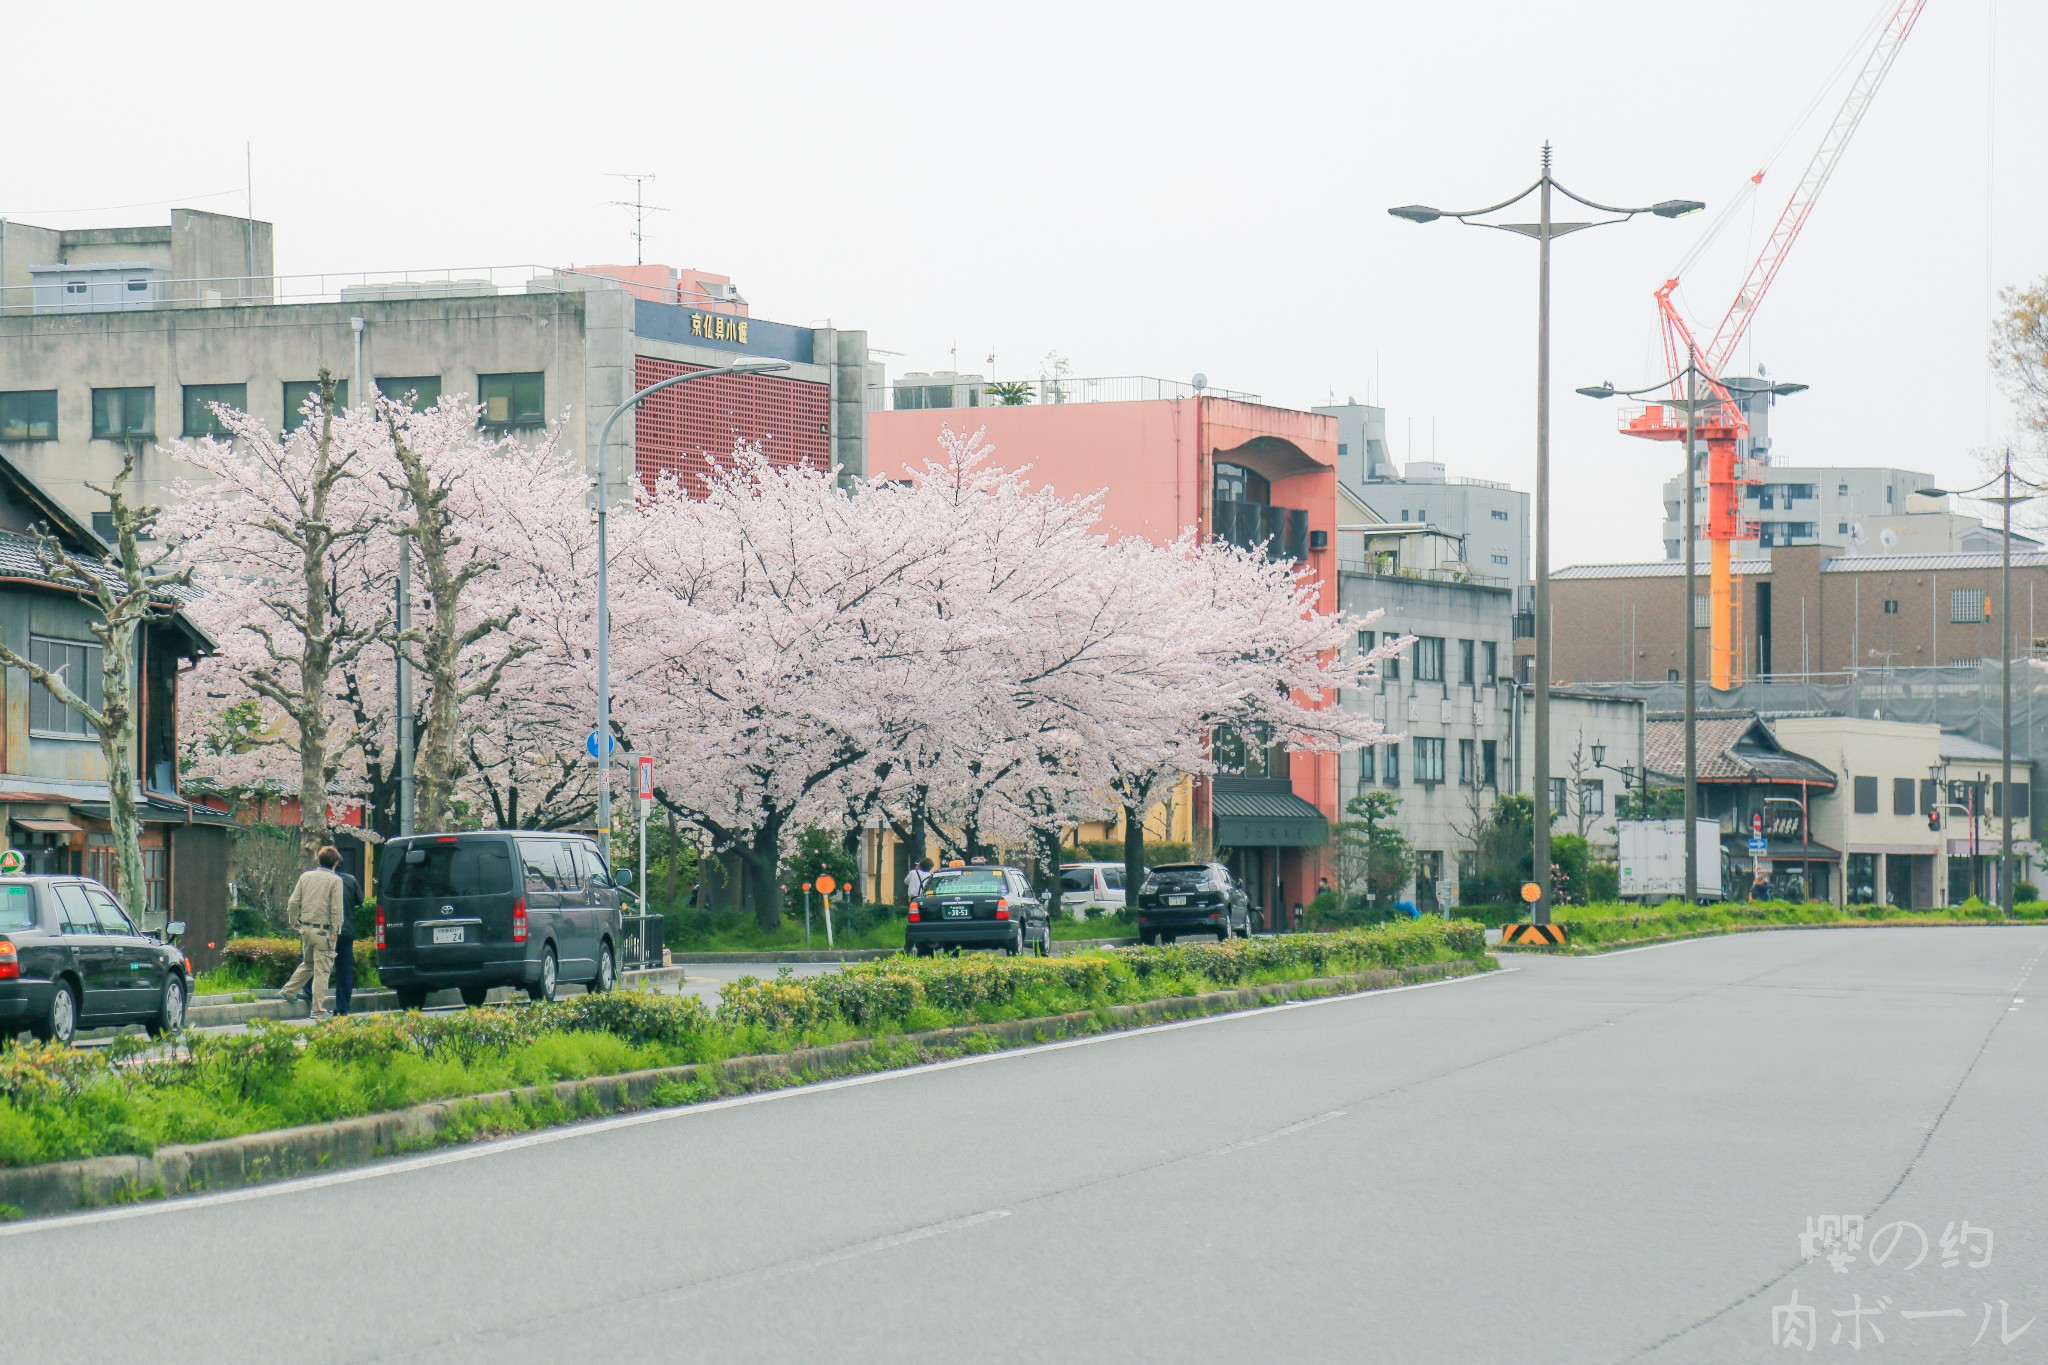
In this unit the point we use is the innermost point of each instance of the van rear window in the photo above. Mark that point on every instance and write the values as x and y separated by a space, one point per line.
474 867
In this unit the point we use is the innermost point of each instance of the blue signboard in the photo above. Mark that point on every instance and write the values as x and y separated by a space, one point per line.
721 331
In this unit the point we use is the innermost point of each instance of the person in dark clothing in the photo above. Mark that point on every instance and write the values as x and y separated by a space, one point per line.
345 943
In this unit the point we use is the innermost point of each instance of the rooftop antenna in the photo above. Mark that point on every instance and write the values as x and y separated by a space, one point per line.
641 208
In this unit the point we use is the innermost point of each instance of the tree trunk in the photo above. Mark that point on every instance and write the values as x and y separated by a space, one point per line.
762 857
1134 854
1047 839
118 666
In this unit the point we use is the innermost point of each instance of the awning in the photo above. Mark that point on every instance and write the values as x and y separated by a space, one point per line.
1785 850
48 826
1268 819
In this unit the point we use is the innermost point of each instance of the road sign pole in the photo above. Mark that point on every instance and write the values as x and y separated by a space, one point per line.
828 920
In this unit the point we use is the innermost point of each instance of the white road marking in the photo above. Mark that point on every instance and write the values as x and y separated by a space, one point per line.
894 1240
449 1157
1288 1131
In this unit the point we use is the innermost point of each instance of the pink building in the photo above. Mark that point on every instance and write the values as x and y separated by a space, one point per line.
1243 471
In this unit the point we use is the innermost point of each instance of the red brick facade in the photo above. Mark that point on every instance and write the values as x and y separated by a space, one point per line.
680 430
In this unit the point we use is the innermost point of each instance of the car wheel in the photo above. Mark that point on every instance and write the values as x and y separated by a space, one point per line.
1016 943
60 1020
1223 934
544 989
411 997
473 995
170 1016
1045 941
607 970
922 949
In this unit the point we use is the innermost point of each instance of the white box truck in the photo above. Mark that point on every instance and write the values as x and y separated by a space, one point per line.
1653 859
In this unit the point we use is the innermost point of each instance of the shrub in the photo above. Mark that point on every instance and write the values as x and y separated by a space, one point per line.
271 961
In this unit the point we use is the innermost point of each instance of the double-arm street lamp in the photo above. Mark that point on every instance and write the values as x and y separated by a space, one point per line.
1692 404
601 739
1630 774
1544 230
2006 481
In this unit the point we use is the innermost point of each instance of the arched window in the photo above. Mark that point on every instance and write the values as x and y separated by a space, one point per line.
1235 483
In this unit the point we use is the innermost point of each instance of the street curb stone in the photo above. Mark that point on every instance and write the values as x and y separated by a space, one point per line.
67 1186
1616 945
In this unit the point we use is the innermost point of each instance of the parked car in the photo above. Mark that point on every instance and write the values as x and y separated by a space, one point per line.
1192 898
70 959
497 908
1091 888
978 906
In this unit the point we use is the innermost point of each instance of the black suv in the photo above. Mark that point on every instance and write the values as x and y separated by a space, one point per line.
496 908
70 959
1191 898
977 906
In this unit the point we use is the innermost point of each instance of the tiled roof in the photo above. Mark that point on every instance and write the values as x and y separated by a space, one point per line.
18 559
1720 758
1262 805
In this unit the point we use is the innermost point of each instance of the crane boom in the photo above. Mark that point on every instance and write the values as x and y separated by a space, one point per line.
1735 322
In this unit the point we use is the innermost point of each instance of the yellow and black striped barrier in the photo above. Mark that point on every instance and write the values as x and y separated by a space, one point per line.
1532 933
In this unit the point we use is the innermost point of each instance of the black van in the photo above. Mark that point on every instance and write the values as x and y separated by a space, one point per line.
496 908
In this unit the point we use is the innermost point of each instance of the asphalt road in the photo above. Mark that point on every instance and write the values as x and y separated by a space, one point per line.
1575 1160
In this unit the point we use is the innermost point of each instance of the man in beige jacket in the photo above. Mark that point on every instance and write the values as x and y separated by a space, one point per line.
316 910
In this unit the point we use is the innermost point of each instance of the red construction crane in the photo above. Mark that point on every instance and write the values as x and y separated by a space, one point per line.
1721 426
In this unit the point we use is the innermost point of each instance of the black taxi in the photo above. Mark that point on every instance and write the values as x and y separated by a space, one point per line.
977 905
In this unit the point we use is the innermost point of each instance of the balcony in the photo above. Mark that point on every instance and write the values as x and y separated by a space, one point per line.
1277 532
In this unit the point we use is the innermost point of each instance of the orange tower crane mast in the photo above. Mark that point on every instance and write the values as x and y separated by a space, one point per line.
1721 425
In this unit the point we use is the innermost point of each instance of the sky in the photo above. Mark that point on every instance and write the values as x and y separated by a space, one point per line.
1144 189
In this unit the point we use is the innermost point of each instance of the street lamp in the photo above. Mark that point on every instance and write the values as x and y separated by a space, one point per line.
1544 231
2005 500
1692 404
602 739
1627 770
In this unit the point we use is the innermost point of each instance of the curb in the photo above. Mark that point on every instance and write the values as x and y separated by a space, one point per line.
1615 945
67 1186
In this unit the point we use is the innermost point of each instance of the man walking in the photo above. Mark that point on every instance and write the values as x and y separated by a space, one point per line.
345 941
915 879
315 909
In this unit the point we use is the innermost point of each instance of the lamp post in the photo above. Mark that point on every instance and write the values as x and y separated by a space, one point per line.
602 740
1629 776
1544 231
2005 498
1692 403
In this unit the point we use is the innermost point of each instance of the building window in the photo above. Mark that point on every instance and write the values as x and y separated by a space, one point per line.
1390 667
156 884
1891 606
1390 769
1902 796
200 419
1429 760
1468 662
1866 796
297 391
1671 675
1500 559
1343 448
1468 763
1841 490
1235 483
1842 529
422 390
1557 796
1966 606
1702 611
1887 495
1490 657
28 415
1365 764
1489 756
511 400
1429 658
1592 796
103 526
123 414
1927 790
1499 515
77 663
1365 643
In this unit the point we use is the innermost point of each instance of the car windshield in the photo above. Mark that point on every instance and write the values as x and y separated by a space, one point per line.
1179 878
976 882
17 906
1077 879
472 867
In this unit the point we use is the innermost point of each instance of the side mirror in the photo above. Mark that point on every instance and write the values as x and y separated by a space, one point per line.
415 856
623 877
175 930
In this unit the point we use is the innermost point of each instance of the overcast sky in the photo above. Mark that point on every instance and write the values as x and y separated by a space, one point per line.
1145 189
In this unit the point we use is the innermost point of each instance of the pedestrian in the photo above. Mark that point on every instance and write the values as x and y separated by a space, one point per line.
345 941
914 880
1322 886
315 910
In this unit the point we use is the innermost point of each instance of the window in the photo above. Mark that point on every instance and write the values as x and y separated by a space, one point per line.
511 400
1468 662
1841 490
468 867
1671 675
1235 483
1557 797
28 415
77 663
1500 559
1429 658
1429 760
1365 642
1887 495
1499 515
1927 796
1343 448
199 399
1390 771
1891 606
590 866
1390 668
1365 764
1967 606
424 390
2022 801
1592 796
1489 752
107 912
549 866
1404 514
1842 529
103 526
297 391
1490 656
1902 796
17 906
1468 763
75 910
1702 611
1866 796
123 414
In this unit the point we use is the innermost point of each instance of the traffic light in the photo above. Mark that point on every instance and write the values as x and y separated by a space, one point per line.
1934 821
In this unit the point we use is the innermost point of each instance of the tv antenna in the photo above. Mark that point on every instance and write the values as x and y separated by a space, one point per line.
641 208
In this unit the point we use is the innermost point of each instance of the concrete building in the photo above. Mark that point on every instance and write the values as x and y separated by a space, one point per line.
534 345
1810 609
1169 457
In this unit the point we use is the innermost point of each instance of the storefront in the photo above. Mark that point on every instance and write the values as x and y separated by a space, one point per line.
1269 838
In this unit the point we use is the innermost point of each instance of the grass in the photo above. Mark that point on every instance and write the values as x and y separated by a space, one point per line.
59 1103
1613 925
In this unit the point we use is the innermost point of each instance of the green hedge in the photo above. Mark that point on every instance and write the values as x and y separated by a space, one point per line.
269 962
1620 923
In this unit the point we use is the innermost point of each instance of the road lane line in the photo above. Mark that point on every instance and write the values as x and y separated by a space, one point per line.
1289 1131
886 1243
407 1165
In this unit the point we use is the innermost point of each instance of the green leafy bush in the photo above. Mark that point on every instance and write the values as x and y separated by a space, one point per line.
269 962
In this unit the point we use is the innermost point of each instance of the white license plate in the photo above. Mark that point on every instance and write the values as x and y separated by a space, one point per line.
1176 900
959 912
448 935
